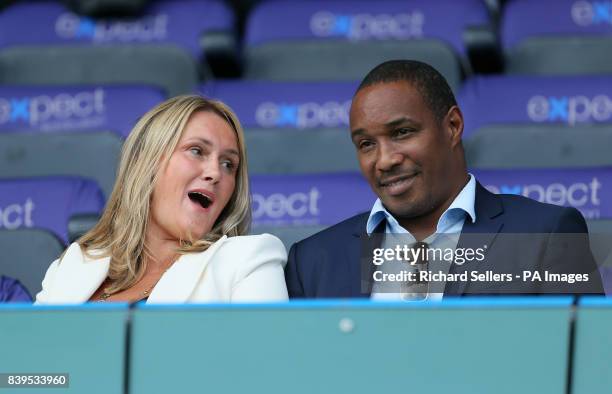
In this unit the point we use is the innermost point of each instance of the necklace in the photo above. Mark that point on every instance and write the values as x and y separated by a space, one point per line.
105 295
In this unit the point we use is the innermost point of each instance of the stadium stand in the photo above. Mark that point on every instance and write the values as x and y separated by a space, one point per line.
43 43
527 121
312 40
557 36
293 207
69 130
292 127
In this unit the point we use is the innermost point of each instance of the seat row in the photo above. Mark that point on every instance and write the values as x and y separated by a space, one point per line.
38 217
292 127
174 43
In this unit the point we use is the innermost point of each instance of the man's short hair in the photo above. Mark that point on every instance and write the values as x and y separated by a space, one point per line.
427 80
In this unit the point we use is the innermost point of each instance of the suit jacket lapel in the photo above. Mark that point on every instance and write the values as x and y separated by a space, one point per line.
361 250
482 233
180 281
77 276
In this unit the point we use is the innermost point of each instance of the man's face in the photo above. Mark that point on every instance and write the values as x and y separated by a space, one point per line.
405 154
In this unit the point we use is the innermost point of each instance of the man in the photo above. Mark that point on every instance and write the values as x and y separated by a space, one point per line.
407 128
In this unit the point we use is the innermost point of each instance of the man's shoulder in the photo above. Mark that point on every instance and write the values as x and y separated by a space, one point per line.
335 234
539 214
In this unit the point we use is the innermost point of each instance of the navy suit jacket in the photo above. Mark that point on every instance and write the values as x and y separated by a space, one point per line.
520 234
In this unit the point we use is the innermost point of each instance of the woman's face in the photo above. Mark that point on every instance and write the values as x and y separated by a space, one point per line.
198 180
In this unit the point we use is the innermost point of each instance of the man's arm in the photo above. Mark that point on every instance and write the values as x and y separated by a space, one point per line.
292 274
568 251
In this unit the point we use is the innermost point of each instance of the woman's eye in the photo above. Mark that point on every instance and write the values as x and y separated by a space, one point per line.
196 151
228 164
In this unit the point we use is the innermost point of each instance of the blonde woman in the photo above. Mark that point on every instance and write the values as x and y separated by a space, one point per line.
173 228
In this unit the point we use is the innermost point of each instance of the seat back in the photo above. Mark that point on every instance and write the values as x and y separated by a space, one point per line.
27 253
86 109
47 203
44 43
343 40
570 37
292 127
294 206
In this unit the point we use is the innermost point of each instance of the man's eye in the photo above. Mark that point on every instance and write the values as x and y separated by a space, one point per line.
403 131
365 144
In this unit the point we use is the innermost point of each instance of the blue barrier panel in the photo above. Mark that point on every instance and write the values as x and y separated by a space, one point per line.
480 345
87 342
592 371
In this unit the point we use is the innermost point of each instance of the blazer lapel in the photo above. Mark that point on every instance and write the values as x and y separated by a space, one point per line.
359 259
180 281
482 233
77 276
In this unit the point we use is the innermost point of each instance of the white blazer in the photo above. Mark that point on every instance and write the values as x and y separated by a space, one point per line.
236 269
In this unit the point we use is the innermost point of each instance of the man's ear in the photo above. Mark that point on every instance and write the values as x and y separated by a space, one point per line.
454 124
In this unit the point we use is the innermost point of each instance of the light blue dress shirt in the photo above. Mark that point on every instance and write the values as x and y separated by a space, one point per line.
451 222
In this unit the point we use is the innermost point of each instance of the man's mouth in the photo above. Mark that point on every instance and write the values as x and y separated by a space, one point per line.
204 200
397 184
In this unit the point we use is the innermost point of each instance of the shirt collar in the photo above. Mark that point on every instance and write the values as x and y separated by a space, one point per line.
462 205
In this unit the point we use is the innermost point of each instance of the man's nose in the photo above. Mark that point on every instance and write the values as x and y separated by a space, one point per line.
388 157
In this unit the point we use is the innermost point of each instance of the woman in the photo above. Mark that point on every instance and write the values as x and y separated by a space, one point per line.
172 230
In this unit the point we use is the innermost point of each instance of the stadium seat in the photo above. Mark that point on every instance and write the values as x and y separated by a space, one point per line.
48 203
91 155
526 122
292 127
587 189
41 42
342 40
27 253
557 37
85 109
293 207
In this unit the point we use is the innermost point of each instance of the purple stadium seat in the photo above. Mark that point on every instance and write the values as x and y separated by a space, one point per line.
47 203
364 20
43 43
292 127
343 39
175 22
286 105
308 200
525 100
557 36
554 17
74 109
587 189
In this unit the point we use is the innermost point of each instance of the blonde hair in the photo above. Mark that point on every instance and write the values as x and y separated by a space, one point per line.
120 232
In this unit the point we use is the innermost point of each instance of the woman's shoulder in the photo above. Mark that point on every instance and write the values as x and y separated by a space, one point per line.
247 252
256 241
